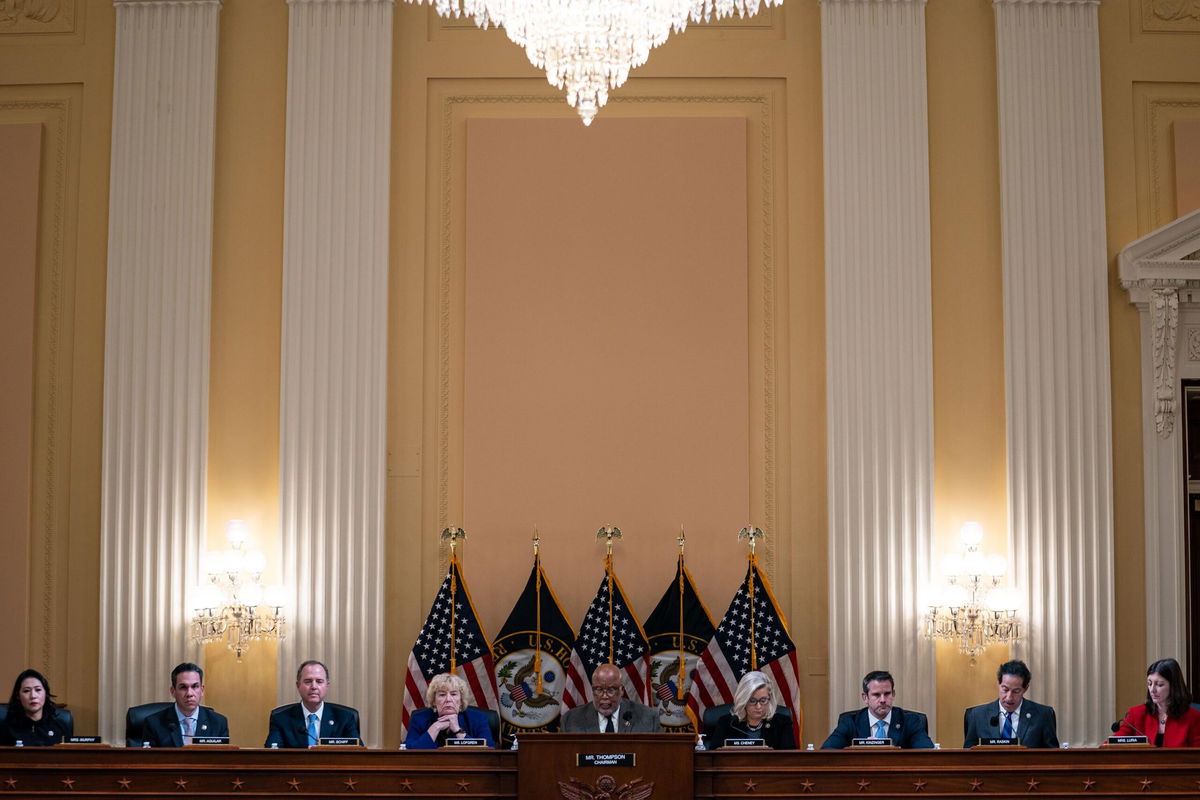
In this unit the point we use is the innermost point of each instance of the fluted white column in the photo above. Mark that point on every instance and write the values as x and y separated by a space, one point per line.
1057 352
156 346
879 344
334 344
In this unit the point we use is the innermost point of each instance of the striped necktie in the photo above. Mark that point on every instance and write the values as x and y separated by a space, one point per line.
188 729
1007 733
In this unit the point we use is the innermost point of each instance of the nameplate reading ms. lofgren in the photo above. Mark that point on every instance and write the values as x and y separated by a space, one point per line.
606 759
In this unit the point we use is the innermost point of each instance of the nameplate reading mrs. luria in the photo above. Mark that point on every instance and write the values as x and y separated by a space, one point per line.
606 759
1128 740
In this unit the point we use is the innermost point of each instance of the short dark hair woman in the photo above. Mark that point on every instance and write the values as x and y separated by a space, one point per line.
1167 717
33 719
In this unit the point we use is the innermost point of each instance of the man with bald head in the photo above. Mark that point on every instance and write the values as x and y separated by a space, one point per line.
610 711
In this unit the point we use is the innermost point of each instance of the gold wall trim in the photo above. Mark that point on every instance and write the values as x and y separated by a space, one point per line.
1170 16
761 112
1158 106
52 385
38 17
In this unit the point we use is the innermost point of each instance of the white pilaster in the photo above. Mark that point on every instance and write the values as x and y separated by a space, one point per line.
156 346
334 344
1057 353
879 345
1162 273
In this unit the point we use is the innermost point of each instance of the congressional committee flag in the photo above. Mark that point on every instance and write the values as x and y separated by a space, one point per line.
678 629
623 642
532 653
752 635
452 621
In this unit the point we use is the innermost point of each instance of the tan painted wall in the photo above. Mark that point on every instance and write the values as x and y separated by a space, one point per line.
768 72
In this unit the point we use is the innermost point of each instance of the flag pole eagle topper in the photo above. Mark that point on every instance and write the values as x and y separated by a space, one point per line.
608 533
453 534
752 534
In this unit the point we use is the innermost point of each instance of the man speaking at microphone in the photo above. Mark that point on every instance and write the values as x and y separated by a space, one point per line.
1014 717
610 711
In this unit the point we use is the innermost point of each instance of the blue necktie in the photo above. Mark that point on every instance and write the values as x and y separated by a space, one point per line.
1007 733
881 729
312 730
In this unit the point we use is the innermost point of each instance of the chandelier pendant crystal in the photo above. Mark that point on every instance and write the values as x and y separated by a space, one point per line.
973 609
588 47
233 604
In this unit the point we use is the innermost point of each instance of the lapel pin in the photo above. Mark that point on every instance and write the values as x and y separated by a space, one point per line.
203 727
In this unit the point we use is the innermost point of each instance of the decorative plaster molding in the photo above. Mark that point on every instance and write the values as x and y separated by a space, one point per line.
450 266
1164 320
1161 112
37 16
1193 344
1172 10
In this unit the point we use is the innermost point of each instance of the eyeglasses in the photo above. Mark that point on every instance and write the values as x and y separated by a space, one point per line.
761 701
607 691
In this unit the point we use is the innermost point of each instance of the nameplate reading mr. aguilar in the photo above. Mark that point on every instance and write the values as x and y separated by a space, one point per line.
210 740
606 759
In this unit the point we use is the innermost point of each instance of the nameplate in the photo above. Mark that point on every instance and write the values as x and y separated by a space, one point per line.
1128 740
606 759
82 740
871 742
339 741
744 743
999 741
210 740
466 741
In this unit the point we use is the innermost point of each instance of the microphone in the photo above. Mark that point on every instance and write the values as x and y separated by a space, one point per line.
627 719
1116 726
994 721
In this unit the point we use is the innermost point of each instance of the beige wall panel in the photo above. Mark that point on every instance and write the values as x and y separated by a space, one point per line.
1187 166
606 355
1158 107
970 467
41 20
20 162
243 425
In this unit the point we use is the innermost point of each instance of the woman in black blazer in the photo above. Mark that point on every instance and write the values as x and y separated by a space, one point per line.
754 715
33 719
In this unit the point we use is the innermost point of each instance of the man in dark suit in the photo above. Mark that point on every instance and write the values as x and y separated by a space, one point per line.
186 719
303 724
880 719
1014 717
608 712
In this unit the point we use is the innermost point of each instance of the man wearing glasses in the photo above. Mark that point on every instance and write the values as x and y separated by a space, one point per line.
610 711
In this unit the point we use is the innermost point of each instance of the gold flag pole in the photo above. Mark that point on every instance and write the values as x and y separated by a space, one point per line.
537 571
608 533
453 534
753 534
682 654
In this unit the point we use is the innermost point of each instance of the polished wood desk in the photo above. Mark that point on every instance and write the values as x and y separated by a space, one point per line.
106 773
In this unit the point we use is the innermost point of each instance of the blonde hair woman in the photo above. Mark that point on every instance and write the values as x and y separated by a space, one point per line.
446 716
755 715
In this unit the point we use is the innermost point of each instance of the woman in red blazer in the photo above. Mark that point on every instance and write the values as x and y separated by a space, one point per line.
1167 716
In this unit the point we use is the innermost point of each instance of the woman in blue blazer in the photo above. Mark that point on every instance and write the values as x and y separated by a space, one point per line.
446 715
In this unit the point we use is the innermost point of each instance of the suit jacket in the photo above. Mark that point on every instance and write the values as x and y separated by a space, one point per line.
162 729
474 722
289 725
777 734
909 729
1183 731
50 729
1037 727
631 717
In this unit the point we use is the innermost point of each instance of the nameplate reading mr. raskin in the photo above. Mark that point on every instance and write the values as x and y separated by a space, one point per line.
606 759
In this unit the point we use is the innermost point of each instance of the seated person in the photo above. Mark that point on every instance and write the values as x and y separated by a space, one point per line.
186 719
33 719
446 715
754 715
305 723
1015 716
610 711
879 719
1167 718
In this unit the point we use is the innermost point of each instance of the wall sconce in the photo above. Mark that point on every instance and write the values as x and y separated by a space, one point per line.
973 609
232 603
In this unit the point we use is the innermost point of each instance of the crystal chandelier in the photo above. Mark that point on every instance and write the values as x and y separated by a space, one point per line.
233 604
973 609
588 46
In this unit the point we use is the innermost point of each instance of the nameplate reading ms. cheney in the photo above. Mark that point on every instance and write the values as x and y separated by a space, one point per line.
606 759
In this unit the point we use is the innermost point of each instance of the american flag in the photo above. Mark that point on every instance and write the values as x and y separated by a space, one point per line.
626 640
727 657
430 654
